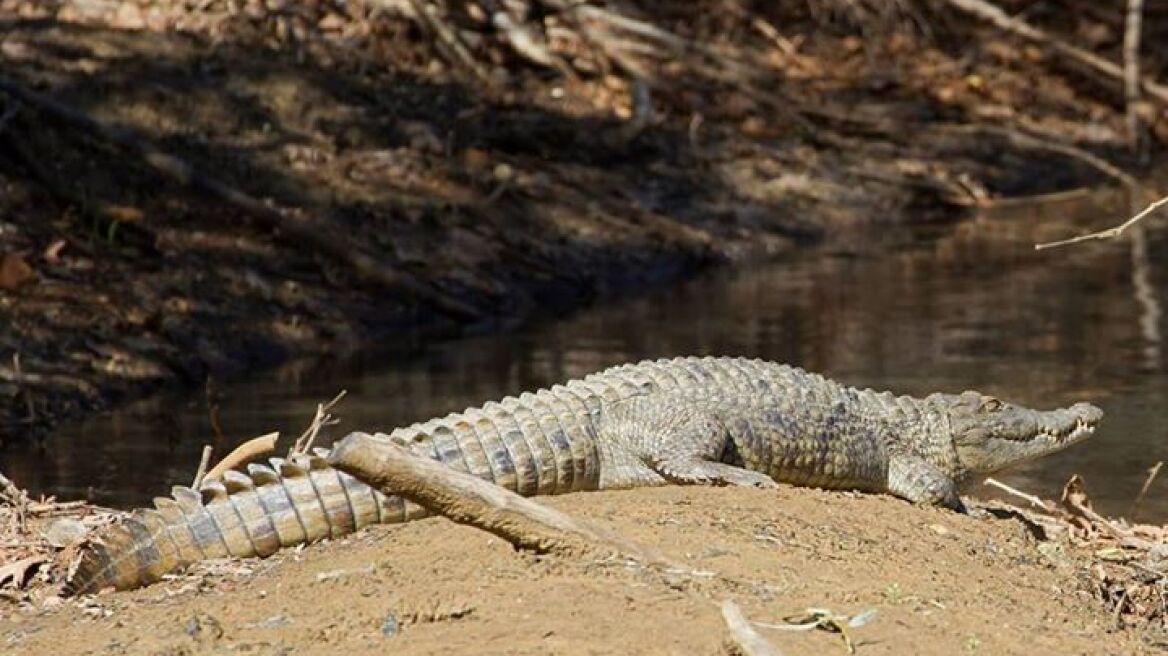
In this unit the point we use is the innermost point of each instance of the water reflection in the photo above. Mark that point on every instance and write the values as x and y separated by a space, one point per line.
975 307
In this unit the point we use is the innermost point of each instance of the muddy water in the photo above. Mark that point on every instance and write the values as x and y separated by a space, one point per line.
970 306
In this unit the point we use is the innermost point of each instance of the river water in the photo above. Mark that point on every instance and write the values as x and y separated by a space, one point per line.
941 308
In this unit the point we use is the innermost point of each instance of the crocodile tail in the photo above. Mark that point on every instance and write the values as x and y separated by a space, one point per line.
139 548
534 445
293 501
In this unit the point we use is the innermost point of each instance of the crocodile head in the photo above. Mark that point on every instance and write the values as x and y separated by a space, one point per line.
990 435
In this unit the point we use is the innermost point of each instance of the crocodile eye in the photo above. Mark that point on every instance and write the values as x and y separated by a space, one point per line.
990 404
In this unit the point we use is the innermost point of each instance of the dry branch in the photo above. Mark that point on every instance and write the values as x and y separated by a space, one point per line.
11 495
204 462
1076 501
526 41
1033 500
746 639
1023 140
244 453
467 499
606 30
1125 560
1110 232
293 225
449 43
994 15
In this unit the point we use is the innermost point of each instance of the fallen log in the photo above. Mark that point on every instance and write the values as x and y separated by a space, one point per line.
467 499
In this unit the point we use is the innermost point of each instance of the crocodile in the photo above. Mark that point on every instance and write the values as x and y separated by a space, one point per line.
721 421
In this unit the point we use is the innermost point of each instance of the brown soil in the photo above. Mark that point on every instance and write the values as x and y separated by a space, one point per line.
531 196
939 583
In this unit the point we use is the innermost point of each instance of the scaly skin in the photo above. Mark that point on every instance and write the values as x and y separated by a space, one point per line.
727 421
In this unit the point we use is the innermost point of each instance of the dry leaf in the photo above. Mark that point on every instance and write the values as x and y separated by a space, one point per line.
1113 554
1075 493
19 571
52 254
15 271
124 213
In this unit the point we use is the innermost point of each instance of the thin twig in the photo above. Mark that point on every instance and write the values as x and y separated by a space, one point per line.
52 507
1020 494
321 419
634 26
767 30
1051 197
1118 616
1110 232
526 41
246 452
204 462
1152 471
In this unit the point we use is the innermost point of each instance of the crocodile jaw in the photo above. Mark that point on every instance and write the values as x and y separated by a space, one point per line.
991 454
989 435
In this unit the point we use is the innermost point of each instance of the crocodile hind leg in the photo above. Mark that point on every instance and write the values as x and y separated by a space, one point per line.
654 439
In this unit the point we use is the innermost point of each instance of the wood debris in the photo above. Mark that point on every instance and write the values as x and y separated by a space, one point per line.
1126 563
41 540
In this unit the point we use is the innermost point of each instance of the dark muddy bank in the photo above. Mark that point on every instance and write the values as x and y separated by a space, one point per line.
529 197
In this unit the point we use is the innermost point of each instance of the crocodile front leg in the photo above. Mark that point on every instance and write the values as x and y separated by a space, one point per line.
914 479
654 439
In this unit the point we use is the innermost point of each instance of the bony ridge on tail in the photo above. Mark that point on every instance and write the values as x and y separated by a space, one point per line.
728 421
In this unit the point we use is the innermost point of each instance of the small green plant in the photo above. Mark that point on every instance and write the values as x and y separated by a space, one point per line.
893 593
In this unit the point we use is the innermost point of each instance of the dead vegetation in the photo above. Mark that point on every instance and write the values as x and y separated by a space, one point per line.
1125 565
39 543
